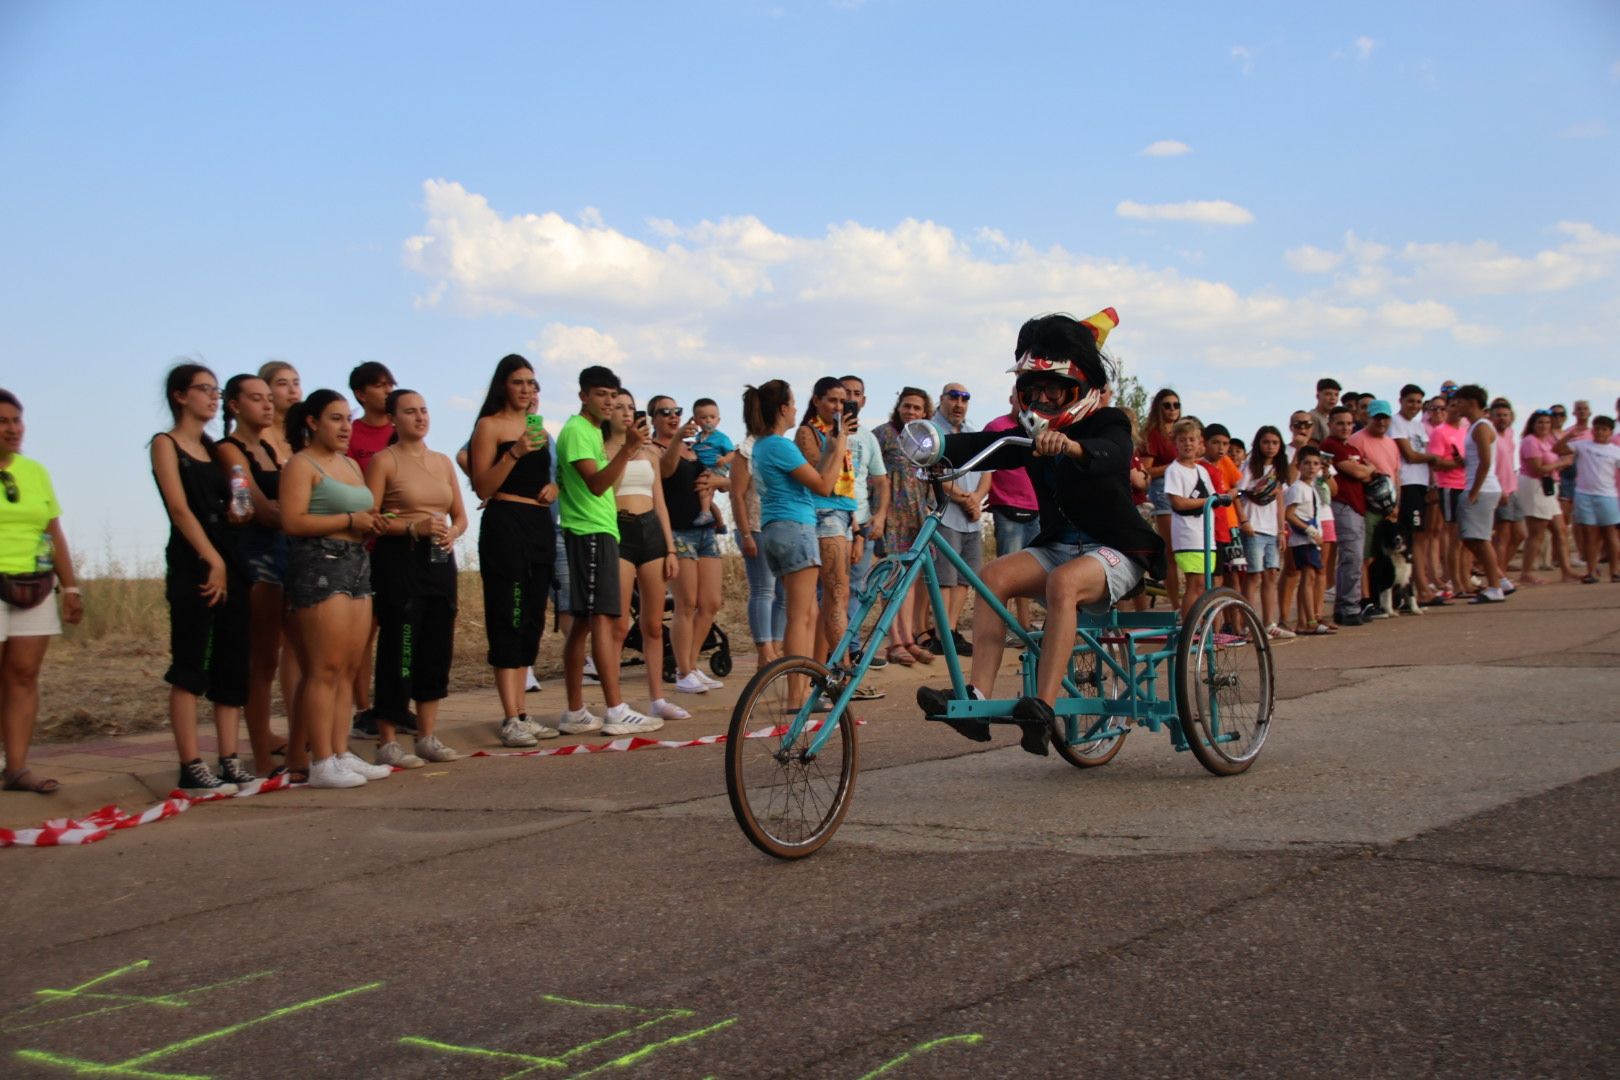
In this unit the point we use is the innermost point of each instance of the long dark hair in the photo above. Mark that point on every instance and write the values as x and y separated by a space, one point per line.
1155 420
1277 461
823 385
905 392
8 398
177 382
233 391
298 432
762 404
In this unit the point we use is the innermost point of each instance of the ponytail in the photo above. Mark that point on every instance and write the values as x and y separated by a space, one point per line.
762 405
298 430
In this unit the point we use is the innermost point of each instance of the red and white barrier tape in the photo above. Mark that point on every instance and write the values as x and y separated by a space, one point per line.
98 825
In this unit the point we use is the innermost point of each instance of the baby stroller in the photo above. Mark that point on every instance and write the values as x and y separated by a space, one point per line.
716 643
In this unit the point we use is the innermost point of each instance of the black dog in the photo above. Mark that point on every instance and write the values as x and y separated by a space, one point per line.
1392 570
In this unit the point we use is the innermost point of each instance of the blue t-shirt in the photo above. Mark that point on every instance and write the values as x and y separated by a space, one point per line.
712 447
781 497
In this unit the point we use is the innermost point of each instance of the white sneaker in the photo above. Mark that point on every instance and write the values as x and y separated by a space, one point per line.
583 722
331 773
393 755
515 732
691 683
360 767
429 748
623 720
531 684
668 710
712 684
536 728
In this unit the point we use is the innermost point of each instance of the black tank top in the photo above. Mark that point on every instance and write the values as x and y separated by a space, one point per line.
680 494
529 474
269 480
207 493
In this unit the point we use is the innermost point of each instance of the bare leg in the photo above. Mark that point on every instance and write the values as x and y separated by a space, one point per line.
834 595
605 651
1018 574
1172 575
686 603
509 684
1079 581
651 577
20 660
711 577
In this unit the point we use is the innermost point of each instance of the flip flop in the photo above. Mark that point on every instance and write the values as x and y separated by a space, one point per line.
15 782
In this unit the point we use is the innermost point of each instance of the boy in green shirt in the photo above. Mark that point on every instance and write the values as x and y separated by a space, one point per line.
590 521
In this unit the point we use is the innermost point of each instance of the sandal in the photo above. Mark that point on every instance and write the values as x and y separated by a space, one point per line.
15 782
898 654
920 653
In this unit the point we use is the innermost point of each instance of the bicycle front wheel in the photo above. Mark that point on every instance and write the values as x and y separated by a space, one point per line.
1224 684
788 801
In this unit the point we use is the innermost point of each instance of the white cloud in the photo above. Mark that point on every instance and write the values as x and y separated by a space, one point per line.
1588 129
1476 334
1207 212
1244 55
1255 356
577 346
1483 267
1614 71
1312 260
1166 148
1364 47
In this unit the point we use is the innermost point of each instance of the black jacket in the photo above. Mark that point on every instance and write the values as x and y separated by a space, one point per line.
1093 495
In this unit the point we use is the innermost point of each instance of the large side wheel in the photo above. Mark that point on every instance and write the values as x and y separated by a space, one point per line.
1224 683
787 801
1095 679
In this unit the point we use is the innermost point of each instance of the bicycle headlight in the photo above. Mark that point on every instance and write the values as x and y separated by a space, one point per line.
922 442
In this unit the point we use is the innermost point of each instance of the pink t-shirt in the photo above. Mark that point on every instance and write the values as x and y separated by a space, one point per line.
1010 487
1536 448
1507 459
1381 453
1447 441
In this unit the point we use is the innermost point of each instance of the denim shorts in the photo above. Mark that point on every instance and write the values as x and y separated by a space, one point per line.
1122 573
1013 535
321 567
263 554
1158 497
834 524
698 543
789 546
1261 552
1601 510
1509 509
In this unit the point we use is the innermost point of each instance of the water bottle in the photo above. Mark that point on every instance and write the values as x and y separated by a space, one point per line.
437 552
45 554
241 501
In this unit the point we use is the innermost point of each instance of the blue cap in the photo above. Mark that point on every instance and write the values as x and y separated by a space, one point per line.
1380 407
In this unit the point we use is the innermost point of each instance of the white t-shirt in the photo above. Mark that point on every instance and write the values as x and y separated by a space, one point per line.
1309 501
1190 482
867 458
1262 516
1415 433
1595 463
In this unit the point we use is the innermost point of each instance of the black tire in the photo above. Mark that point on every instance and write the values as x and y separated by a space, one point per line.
1224 692
1094 680
720 662
787 806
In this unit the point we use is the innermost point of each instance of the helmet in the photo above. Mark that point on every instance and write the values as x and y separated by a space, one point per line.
1081 397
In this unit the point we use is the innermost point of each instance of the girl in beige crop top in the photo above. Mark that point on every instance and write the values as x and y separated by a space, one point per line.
416 486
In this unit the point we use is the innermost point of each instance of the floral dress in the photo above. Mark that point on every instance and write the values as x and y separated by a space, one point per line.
909 496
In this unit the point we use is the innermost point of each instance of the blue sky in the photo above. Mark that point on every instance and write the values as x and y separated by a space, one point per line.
708 194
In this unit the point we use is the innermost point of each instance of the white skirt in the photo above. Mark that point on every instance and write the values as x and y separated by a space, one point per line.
1536 503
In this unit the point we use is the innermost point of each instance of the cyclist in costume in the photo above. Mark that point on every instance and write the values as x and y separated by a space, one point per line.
1093 548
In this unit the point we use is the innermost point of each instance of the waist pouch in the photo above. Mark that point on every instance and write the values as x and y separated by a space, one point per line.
26 591
1013 513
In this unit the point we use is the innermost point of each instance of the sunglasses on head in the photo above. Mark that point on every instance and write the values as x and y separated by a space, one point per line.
958 395
668 412
12 494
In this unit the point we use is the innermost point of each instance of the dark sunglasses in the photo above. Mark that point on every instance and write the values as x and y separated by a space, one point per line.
1171 405
1300 424
12 494
1558 413
668 412
959 395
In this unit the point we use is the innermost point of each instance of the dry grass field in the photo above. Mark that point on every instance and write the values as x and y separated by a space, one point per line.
105 676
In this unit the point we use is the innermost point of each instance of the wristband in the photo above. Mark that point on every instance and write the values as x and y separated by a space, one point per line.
72 590
350 526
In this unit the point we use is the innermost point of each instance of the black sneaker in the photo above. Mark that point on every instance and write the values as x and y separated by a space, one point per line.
1036 718
232 771
197 781
878 659
964 647
407 726
364 725
934 703
1348 618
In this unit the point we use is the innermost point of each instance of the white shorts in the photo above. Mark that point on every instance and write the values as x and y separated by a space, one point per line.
1537 503
41 620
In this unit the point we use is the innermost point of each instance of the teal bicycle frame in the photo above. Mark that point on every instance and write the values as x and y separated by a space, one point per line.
1104 635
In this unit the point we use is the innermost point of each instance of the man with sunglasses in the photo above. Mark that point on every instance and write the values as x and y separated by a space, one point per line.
1093 548
962 527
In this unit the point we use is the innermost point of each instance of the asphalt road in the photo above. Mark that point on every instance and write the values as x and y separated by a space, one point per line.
1418 878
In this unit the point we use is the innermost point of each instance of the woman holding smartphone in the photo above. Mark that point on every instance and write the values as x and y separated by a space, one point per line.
823 419
262 547
510 457
326 509
413 571
646 546
208 598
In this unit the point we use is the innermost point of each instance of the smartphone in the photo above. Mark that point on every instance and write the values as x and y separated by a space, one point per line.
535 424
640 416
851 409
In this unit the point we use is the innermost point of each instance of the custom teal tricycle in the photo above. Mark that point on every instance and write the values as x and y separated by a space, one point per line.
792 751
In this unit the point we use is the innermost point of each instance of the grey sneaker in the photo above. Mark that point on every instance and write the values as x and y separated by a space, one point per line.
429 748
232 771
537 729
360 767
515 731
626 721
583 722
393 755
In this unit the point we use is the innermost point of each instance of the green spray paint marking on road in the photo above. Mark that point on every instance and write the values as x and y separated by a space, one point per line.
128 1001
636 1057
135 1066
921 1049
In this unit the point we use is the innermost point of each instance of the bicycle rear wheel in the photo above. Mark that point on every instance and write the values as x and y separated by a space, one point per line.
1094 678
1224 686
787 802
